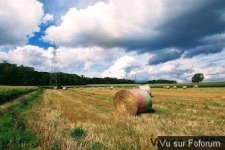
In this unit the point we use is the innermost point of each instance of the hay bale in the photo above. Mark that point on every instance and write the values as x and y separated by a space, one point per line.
195 86
132 102
167 87
146 87
64 88
175 87
184 87
111 87
55 88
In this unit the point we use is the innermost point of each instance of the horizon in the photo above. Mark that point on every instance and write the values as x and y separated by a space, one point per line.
135 81
142 40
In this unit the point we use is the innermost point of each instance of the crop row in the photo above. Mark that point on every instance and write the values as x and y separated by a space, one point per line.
10 94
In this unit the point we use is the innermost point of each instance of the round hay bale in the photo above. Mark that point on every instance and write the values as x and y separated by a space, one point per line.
132 102
175 87
184 87
111 87
64 88
195 86
145 87
167 87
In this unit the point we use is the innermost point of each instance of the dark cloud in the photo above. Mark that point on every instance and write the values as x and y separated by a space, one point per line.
187 29
164 56
183 30
204 49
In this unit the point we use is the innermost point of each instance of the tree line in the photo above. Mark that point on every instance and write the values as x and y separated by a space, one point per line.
12 74
162 81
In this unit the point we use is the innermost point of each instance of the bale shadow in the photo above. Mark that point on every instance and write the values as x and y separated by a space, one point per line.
150 111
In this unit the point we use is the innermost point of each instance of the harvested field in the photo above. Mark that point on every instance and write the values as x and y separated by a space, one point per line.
193 111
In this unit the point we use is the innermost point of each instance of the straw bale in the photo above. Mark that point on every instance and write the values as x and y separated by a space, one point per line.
132 102
184 87
145 87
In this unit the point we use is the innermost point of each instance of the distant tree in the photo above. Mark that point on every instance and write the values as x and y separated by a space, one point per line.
198 77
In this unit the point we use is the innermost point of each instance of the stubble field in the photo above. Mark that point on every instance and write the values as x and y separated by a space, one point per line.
175 112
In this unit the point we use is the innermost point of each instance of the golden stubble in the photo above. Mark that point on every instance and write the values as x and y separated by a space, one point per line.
177 112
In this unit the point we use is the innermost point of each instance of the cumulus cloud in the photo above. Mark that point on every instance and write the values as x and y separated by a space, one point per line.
119 68
107 24
141 25
181 69
19 19
28 55
88 61
97 62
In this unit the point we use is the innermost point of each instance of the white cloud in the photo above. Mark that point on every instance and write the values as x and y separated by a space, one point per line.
107 21
119 23
87 61
19 19
98 62
127 66
29 55
47 18
136 66
118 69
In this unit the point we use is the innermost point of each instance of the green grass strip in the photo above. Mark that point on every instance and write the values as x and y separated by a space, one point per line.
13 132
10 94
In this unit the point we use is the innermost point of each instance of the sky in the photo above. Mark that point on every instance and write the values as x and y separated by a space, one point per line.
132 39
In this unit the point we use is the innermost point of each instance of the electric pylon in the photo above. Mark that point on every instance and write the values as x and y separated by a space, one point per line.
55 72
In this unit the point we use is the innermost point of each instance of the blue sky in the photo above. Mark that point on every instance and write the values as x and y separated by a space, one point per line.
37 40
149 39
